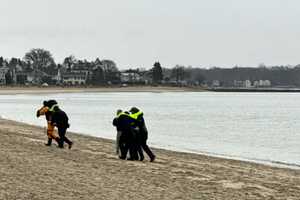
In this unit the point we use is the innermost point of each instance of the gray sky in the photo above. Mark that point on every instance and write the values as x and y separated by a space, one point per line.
136 33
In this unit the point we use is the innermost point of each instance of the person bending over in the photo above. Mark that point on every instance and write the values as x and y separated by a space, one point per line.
45 110
143 132
61 121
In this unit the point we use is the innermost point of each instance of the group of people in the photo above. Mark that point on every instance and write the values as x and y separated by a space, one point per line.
132 135
55 117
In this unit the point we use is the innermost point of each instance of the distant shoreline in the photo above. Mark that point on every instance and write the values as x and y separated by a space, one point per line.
254 90
4 90
46 90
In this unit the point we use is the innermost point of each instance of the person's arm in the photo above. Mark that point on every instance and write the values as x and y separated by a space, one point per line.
115 122
42 111
67 118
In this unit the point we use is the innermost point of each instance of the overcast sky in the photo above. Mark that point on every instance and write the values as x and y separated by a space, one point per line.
136 33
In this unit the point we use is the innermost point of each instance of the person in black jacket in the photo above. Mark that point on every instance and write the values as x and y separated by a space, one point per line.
61 121
142 134
124 124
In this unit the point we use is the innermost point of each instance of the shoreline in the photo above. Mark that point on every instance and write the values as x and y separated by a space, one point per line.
29 170
253 90
49 90
270 163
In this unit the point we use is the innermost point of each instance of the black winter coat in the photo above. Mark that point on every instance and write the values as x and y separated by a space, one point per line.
60 119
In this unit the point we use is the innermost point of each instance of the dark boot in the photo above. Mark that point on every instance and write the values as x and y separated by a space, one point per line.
49 142
61 143
69 142
146 148
70 145
152 158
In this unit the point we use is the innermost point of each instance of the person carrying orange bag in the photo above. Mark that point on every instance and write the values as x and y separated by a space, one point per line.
45 110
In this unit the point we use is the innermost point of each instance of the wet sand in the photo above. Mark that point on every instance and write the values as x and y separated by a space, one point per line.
91 170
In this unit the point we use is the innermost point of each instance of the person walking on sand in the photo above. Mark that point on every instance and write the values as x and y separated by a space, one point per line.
143 132
45 110
123 123
119 132
61 121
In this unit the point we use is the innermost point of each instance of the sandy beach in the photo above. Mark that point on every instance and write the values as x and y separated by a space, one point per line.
91 170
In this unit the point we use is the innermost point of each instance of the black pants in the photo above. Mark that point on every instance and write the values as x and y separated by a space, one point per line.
145 147
128 146
127 143
62 137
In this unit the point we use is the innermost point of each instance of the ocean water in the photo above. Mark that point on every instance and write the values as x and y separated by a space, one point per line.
259 127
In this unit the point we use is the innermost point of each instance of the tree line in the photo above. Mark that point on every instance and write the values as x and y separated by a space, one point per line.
101 72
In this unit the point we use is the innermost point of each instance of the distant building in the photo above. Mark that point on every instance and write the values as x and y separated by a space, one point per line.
262 83
3 72
36 76
72 78
215 83
130 77
247 83
242 84
237 83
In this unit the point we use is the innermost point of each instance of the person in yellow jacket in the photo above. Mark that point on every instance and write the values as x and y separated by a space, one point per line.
142 135
126 139
45 110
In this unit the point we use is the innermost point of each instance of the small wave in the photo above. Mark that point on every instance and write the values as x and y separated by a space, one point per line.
274 163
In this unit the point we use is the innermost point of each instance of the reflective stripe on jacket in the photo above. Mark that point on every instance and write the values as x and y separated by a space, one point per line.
136 115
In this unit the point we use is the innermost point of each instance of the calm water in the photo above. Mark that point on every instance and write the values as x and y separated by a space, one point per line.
261 127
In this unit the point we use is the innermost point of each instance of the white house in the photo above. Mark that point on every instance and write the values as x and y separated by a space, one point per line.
74 78
247 83
130 77
238 83
215 83
262 83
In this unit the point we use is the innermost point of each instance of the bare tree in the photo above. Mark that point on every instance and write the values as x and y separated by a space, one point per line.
38 59
69 62
157 74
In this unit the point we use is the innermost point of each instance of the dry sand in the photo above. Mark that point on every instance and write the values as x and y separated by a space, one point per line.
91 170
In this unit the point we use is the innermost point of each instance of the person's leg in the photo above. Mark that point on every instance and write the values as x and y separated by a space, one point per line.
124 149
147 150
133 153
61 133
119 133
139 149
68 141
49 130
51 135
49 142
140 153
133 148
